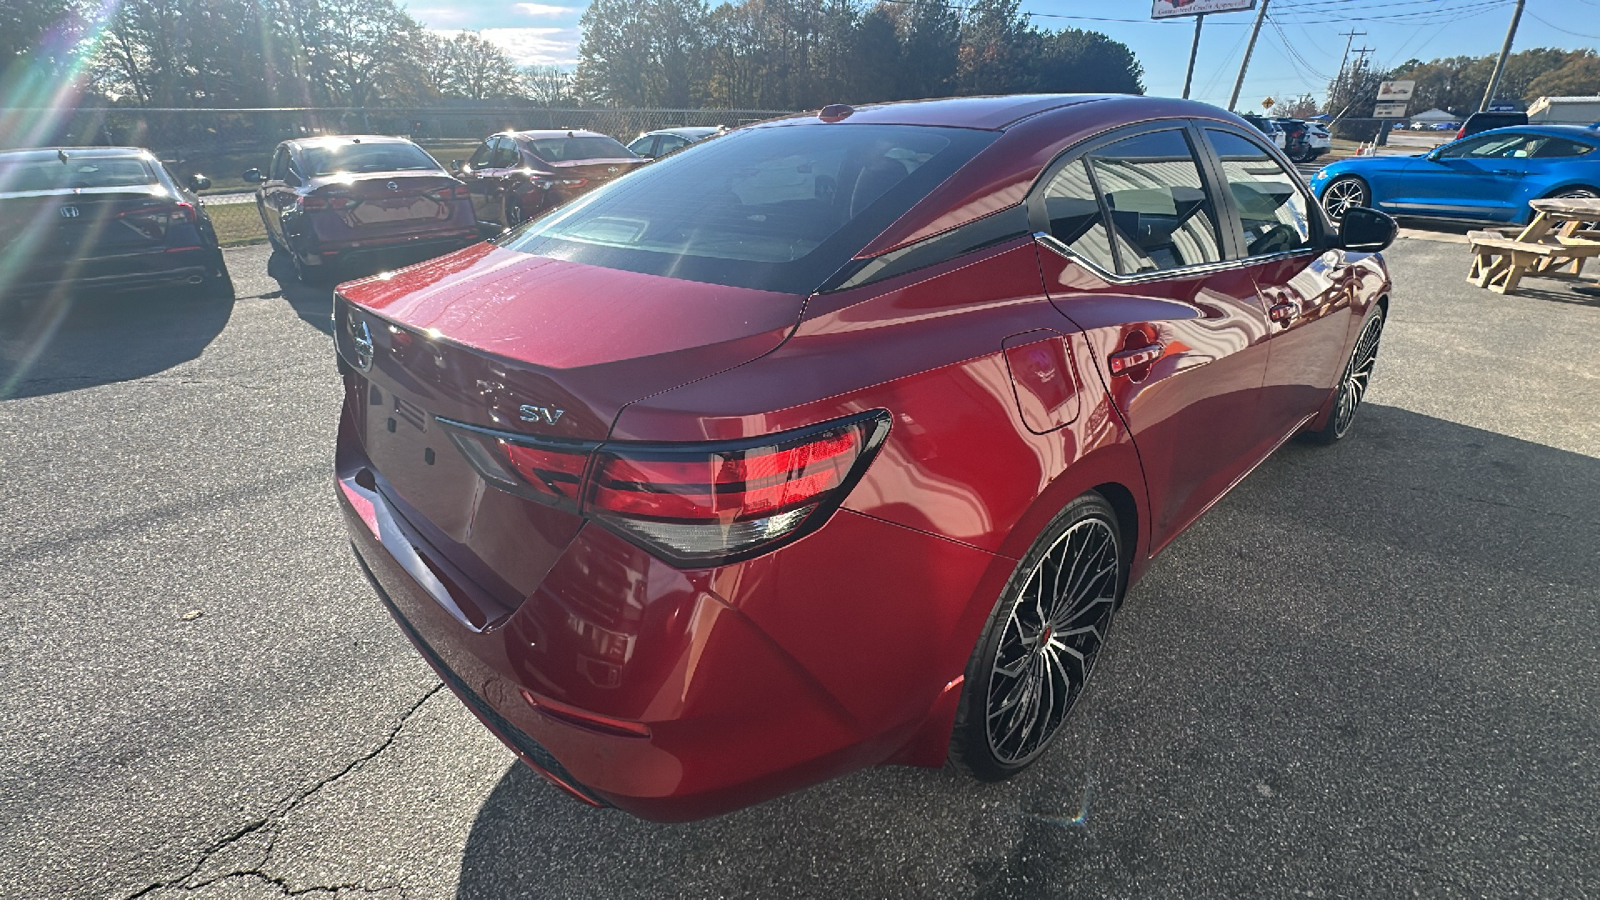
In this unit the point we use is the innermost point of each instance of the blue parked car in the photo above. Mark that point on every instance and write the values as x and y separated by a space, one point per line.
1489 177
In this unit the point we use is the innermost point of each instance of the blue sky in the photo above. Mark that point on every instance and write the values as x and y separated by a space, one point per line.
1298 51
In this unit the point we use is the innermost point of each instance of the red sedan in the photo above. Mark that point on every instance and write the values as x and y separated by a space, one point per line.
517 175
838 441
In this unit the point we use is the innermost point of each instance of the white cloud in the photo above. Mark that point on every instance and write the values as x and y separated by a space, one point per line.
545 10
543 46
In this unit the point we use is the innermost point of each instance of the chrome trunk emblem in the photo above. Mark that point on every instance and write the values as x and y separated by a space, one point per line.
69 212
531 413
393 186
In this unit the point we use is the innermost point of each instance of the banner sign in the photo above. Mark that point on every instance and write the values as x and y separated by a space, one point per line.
1166 9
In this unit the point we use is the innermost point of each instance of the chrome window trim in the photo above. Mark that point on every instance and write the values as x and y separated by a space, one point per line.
1055 245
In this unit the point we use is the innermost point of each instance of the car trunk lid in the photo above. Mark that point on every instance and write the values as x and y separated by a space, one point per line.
385 202
495 339
76 223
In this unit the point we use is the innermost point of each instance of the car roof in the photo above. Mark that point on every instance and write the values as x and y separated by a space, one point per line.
1576 132
78 152
684 131
987 113
328 140
551 133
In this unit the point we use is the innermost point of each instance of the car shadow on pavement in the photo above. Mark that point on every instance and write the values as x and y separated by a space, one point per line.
73 339
1368 671
312 303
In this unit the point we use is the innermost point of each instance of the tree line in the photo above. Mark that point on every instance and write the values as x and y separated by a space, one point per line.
767 54
802 54
1456 84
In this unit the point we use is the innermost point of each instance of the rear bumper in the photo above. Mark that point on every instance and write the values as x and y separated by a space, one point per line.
744 682
316 251
147 268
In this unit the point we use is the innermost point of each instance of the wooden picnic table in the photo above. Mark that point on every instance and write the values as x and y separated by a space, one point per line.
1555 244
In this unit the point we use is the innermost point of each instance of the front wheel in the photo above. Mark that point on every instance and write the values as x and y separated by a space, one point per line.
1354 382
1343 194
1041 643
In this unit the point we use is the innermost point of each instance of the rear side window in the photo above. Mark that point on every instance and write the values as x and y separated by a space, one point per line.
1161 215
1271 208
778 208
1075 216
1560 148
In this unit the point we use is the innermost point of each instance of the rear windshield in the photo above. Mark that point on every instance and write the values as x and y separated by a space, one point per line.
778 208
50 173
569 149
343 158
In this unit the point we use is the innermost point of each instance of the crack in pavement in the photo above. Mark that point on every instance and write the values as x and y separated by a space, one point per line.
272 822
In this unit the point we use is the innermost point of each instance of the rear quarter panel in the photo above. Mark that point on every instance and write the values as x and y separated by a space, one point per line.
959 465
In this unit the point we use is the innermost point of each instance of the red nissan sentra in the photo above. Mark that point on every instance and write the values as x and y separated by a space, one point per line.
836 441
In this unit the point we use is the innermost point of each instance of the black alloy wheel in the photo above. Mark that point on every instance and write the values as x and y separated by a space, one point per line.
1041 643
1354 382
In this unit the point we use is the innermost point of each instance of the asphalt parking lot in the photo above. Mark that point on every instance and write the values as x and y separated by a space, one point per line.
1371 671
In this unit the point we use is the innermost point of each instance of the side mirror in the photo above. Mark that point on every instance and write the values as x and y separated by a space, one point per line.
1366 230
252 176
455 166
198 182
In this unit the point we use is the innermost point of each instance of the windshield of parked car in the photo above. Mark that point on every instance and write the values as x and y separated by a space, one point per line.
575 148
778 208
352 158
50 173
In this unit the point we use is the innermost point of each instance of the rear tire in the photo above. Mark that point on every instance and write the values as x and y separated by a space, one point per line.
1041 642
1354 382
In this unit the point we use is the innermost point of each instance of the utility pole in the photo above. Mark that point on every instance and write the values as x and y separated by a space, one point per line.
1194 50
1255 32
1500 65
1349 38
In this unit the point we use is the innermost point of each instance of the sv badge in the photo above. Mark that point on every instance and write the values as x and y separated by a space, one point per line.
548 415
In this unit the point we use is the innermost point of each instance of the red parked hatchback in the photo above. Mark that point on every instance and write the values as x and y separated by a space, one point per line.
837 441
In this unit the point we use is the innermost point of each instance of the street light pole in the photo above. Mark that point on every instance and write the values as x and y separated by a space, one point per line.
1194 50
1255 32
1500 65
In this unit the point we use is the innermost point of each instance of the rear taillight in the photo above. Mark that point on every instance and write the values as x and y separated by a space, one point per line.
1461 132
458 192
310 203
152 221
692 504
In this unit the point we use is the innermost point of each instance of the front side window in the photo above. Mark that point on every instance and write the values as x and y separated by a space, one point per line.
1161 216
1271 207
355 158
505 154
779 208
280 164
1075 217
480 158
1489 146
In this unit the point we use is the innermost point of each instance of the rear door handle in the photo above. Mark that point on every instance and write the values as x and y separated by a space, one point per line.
1284 313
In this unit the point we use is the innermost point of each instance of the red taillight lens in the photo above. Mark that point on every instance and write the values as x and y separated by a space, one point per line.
1461 132
310 203
152 221
458 192
707 504
693 504
553 470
